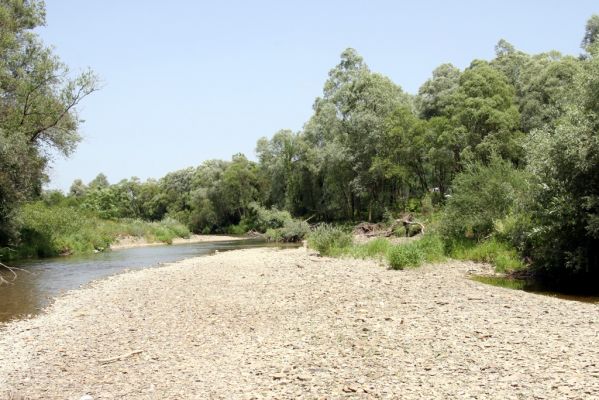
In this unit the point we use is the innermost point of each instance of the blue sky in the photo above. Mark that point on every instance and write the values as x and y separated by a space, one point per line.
187 81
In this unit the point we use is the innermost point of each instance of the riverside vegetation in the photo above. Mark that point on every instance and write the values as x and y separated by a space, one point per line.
503 156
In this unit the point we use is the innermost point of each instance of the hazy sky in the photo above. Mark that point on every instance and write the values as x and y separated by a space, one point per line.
187 81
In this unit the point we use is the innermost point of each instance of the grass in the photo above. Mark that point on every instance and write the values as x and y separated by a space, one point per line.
500 281
335 242
57 230
500 255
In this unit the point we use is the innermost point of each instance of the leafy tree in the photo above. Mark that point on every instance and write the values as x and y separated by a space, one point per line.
484 115
99 182
434 96
565 161
591 33
78 188
37 108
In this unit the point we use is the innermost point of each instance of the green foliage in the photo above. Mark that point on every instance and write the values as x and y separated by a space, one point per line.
376 248
274 235
565 163
500 281
293 230
329 240
262 219
502 256
50 230
404 256
37 109
481 195
429 248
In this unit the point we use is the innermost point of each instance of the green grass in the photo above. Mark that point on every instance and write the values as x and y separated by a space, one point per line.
500 281
54 230
500 255
335 242
376 248
330 240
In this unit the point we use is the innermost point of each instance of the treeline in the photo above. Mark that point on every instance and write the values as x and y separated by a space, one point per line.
508 149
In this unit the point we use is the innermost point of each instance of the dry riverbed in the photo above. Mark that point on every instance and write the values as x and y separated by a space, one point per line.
265 323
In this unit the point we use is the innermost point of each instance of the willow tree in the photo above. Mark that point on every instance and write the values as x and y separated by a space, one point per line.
37 108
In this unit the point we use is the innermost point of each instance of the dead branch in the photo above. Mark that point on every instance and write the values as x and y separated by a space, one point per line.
12 271
120 358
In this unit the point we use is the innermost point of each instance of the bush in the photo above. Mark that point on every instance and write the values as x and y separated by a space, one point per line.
404 256
432 247
294 230
59 229
329 240
261 219
481 195
274 235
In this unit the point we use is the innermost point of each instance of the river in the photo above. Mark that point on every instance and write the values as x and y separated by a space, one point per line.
44 279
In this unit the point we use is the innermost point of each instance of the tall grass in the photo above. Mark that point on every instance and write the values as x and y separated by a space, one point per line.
332 241
55 230
499 254
329 240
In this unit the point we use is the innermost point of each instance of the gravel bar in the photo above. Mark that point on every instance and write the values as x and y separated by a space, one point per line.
286 324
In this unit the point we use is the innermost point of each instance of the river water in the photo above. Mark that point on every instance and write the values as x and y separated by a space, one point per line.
44 279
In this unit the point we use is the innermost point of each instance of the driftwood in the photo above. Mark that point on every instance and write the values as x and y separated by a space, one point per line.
120 358
13 273
368 229
254 234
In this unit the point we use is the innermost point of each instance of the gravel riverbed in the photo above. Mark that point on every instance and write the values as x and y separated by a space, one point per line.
285 324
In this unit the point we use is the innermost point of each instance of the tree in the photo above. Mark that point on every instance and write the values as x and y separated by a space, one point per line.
484 115
78 189
37 108
434 96
346 129
99 182
591 34
565 162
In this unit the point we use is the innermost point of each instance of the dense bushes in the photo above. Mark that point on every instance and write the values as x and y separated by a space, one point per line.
483 194
49 230
329 240
333 241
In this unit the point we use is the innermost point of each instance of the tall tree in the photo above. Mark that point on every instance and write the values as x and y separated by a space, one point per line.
37 107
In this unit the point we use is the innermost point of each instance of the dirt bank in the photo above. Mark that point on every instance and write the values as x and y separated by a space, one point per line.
136 241
284 324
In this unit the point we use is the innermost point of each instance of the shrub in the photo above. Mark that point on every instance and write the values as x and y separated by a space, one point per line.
329 240
274 235
404 256
431 246
481 195
294 230
59 229
261 219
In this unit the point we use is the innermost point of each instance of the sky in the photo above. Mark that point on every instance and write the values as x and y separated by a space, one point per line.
188 81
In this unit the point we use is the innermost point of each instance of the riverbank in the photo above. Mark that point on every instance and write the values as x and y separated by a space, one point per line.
264 323
129 242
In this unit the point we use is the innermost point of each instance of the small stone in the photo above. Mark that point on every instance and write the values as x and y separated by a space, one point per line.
86 397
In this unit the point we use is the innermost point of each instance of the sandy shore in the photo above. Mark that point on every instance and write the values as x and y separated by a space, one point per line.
265 323
136 241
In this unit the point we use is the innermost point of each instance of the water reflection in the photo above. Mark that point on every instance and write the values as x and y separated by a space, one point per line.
47 278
